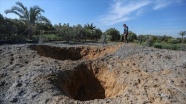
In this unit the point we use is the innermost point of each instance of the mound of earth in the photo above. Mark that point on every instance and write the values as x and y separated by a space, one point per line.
114 73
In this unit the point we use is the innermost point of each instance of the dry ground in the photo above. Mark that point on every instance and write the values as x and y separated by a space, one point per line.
93 73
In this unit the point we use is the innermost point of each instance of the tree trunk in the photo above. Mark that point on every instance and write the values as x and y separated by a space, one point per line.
30 31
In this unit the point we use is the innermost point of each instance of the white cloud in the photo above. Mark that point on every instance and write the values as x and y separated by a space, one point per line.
121 11
139 12
159 4
124 10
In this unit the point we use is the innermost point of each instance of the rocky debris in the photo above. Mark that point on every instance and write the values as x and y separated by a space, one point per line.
93 73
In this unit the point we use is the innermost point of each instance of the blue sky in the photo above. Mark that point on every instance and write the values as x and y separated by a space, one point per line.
157 17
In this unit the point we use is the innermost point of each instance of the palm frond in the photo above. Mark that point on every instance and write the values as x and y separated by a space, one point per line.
27 15
89 26
38 8
35 12
24 10
44 19
20 10
21 5
10 11
182 33
92 26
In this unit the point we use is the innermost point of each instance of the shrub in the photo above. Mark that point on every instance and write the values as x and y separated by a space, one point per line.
158 45
173 41
170 46
183 47
149 43
136 41
132 36
113 34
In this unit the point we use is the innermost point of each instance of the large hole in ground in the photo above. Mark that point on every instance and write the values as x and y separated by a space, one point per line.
86 82
60 53
73 53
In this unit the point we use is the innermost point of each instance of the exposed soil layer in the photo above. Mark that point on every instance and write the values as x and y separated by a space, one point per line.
91 74
73 53
85 82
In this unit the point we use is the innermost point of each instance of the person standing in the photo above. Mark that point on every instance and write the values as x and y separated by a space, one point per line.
125 33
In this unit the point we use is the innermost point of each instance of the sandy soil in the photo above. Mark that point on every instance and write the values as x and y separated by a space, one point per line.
92 73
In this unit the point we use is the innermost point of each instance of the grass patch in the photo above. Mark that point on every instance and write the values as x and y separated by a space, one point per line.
170 46
47 37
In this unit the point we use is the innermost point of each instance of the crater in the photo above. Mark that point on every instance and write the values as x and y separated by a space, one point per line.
73 53
88 82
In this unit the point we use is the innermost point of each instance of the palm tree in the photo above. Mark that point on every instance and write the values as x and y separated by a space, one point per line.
31 16
90 27
182 33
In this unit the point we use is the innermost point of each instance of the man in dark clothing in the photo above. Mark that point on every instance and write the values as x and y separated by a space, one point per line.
125 33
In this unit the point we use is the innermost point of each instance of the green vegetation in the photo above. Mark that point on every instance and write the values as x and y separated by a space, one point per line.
30 17
182 33
132 36
170 46
113 34
162 42
32 26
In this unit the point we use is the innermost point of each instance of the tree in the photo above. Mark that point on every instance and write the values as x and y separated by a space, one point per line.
86 34
113 33
78 31
182 33
31 16
65 31
1 19
2 22
90 27
98 33
132 36
8 29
